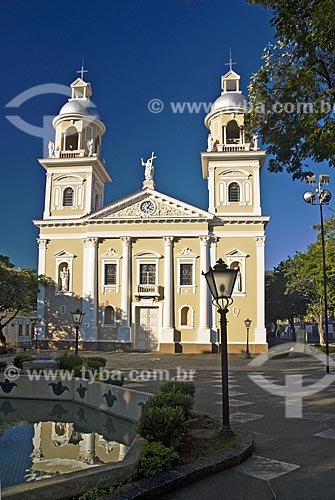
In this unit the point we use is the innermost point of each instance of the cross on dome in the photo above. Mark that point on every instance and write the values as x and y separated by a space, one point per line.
82 70
230 63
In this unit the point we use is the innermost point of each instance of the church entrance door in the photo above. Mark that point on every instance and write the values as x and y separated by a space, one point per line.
146 328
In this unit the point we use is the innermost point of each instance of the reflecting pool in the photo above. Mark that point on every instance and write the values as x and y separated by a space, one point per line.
39 439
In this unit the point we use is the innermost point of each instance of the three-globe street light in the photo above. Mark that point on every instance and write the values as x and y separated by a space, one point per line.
221 281
321 197
77 318
247 323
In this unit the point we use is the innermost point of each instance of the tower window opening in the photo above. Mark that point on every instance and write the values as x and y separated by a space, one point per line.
233 192
68 197
232 132
231 85
71 139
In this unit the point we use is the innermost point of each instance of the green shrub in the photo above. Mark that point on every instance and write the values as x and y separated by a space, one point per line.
164 424
3 366
69 361
93 493
174 400
156 458
95 362
183 387
22 358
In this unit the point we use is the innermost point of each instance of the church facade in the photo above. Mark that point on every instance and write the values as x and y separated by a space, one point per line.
134 267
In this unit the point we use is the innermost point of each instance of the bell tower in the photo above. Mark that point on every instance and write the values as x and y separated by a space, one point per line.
233 159
75 173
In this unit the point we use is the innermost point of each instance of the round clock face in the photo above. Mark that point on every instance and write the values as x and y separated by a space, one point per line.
147 207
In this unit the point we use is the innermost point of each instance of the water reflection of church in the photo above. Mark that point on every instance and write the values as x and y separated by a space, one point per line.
59 448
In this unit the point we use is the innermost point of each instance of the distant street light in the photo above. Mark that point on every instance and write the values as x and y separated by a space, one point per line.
247 323
221 281
77 318
321 197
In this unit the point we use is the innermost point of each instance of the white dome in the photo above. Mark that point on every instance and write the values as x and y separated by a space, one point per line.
75 106
231 102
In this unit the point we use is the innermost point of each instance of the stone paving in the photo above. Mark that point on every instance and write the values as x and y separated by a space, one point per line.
294 458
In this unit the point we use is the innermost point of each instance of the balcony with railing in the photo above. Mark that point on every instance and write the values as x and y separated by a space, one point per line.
79 153
147 291
232 148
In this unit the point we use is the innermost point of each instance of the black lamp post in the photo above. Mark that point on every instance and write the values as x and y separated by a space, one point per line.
77 318
247 323
221 281
324 197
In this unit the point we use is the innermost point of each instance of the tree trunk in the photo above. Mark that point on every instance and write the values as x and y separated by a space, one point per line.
2 338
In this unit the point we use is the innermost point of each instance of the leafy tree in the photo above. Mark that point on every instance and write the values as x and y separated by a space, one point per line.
307 274
282 300
18 293
292 95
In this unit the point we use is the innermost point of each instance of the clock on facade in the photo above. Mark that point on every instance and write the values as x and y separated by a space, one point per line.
147 207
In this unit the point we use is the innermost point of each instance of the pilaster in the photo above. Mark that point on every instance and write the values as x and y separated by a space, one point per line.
124 329
167 336
260 331
89 329
42 254
204 331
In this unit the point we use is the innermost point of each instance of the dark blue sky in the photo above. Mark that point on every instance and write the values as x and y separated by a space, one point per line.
135 51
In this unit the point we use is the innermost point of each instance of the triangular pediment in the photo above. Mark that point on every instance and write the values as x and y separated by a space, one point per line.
64 254
236 253
150 204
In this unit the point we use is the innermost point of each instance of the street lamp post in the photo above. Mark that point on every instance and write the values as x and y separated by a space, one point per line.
77 318
247 323
323 196
221 281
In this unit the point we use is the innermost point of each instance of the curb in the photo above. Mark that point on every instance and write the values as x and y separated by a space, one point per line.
153 487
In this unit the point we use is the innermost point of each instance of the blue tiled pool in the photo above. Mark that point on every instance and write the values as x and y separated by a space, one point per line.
40 439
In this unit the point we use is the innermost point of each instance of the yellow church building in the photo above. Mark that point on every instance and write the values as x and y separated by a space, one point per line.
134 267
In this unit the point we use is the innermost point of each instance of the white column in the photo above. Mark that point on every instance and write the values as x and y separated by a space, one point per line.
47 200
167 336
211 189
213 259
42 255
124 329
204 329
260 331
256 195
89 328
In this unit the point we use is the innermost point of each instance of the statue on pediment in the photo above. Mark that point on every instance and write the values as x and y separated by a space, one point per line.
149 168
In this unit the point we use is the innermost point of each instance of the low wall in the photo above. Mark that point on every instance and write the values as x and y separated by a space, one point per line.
112 399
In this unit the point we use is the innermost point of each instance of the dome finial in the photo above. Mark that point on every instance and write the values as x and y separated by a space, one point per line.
82 70
230 63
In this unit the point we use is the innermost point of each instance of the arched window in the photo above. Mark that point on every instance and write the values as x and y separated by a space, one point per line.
233 192
71 139
232 132
184 316
68 197
109 316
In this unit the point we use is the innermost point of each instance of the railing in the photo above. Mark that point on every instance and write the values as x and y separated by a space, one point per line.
233 147
147 290
72 154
